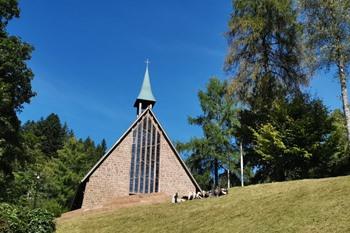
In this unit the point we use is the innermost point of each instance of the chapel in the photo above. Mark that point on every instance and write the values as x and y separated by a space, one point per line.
142 161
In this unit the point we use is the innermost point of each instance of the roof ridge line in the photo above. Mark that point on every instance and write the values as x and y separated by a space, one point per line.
113 147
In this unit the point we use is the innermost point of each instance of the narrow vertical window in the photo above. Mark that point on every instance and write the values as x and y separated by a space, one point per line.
137 167
149 127
153 158
157 162
145 157
132 164
143 153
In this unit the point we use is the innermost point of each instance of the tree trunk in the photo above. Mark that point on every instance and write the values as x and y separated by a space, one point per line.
228 179
216 173
241 153
344 94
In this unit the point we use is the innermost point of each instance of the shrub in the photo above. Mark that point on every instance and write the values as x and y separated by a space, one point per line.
14 219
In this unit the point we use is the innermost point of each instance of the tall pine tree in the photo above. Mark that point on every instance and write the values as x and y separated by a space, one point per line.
265 60
215 150
264 53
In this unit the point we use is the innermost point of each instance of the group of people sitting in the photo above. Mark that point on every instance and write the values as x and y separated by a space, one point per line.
199 195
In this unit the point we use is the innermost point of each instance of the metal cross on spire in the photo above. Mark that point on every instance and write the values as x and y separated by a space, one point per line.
147 62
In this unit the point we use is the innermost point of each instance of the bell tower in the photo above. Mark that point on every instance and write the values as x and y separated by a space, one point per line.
145 97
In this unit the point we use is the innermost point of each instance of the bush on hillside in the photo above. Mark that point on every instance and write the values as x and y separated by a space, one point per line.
14 219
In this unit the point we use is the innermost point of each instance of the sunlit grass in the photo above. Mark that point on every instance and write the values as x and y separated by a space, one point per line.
298 206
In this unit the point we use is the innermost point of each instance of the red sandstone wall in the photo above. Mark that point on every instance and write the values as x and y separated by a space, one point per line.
173 178
111 179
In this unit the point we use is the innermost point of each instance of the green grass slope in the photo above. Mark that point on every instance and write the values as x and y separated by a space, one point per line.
321 205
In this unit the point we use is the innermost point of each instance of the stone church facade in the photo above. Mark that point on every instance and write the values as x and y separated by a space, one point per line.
142 161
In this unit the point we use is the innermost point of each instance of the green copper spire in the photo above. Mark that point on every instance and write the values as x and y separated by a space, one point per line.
146 89
146 96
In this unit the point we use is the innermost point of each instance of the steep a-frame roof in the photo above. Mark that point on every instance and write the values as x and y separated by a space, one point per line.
127 132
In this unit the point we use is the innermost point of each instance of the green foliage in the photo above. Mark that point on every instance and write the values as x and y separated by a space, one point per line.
219 122
41 162
265 57
14 219
275 155
15 90
337 156
198 160
285 133
41 221
327 35
8 10
51 133
56 162
326 25
63 174
293 143
264 50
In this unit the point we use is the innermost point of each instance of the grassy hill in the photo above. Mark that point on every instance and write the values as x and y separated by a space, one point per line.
321 205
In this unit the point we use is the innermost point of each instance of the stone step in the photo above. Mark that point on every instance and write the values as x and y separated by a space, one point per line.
121 202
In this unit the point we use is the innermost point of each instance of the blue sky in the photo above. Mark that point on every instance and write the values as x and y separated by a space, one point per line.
89 61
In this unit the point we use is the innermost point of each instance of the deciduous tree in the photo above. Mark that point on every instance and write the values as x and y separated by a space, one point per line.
15 88
327 30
